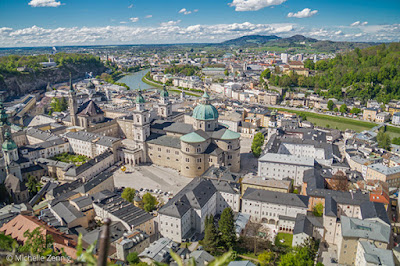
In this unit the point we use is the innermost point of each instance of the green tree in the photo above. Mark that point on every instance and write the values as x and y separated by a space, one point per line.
133 258
168 82
257 143
343 108
226 227
266 74
36 242
303 255
226 72
308 63
336 109
128 194
330 105
33 185
7 242
266 257
210 241
383 139
318 209
150 202
355 110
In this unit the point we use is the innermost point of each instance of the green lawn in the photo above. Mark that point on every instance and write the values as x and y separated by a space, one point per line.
341 123
71 158
288 238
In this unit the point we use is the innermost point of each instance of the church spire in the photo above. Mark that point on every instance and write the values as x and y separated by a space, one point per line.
71 88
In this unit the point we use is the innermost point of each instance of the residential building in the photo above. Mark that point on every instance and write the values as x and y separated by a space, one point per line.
354 230
275 208
136 241
109 205
184 215
369 114
368 255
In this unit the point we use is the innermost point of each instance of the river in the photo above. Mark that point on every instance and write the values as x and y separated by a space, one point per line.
134 80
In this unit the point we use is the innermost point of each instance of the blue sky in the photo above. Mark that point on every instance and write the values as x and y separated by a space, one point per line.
88 22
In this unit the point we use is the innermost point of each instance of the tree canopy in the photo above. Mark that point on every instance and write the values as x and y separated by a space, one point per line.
258 141
150 202
383 139
128 194
370 73
226 226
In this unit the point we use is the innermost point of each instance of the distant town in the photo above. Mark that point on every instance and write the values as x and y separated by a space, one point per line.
201 155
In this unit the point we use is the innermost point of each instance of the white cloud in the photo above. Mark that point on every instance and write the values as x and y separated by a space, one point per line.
149 16
44 3
185 11
305 13
170 23
134 19
173 32
253 5
195 10
123 22
130 6
358 23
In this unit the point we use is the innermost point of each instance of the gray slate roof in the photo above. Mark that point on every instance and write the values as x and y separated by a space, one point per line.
372 230
118 207
276 197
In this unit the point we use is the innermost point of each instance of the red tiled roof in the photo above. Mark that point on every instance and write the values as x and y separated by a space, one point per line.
20 224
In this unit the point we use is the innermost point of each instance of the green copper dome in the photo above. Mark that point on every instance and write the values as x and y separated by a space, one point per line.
164 93
192 137
140 98
205 112
8 144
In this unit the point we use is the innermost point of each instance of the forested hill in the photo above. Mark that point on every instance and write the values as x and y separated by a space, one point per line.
370 73
34 76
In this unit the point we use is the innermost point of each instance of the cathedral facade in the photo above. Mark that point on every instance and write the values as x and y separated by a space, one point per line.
190 148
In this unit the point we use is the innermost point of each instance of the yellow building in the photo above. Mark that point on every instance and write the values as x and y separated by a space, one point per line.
369 114
266 184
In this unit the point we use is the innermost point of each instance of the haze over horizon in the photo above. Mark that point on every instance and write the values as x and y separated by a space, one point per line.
31 23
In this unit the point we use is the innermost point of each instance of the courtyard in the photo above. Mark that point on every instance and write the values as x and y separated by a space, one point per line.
150 177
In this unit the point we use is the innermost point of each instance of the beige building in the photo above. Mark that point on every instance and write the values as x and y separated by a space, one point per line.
283 186
381 172
354 230
369 114
193 148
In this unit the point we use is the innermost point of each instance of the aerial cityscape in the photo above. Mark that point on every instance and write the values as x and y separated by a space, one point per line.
235 132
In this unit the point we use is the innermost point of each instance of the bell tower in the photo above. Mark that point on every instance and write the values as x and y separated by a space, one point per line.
73 106
164 106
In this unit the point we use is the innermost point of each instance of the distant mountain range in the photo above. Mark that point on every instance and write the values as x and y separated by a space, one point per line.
296 42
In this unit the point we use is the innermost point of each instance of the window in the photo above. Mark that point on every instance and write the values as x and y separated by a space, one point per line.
187 160
187 149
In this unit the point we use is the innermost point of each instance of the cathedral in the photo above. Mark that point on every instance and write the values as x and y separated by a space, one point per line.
189 144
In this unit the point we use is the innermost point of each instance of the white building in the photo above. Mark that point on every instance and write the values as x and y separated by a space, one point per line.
184 214
275 208
91 145
396 118
284 166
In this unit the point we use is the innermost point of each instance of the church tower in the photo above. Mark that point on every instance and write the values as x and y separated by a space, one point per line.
73 106
4 123
11 157
141 123
164 106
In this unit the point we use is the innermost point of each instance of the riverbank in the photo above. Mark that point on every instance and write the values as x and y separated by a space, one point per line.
152 83
341 123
